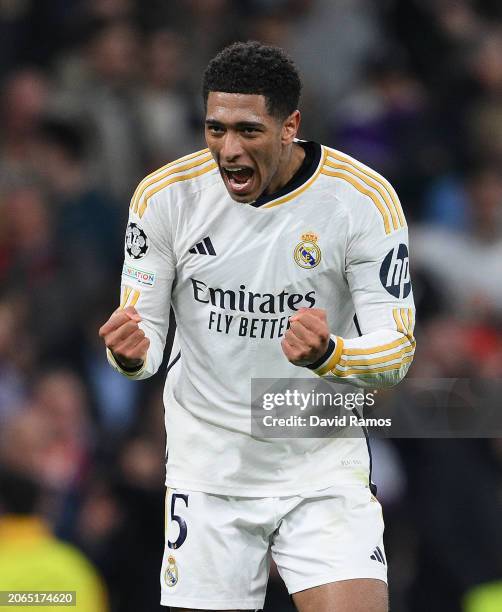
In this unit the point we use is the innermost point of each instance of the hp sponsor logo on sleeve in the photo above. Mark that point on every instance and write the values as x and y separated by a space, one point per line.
395 272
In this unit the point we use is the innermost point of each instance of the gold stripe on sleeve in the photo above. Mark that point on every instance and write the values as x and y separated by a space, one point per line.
388 368
364 191
380 179
159 171
125 296
378 349
160 177
176 179
377 360
135 297
412 323
399 321
406 321
365 179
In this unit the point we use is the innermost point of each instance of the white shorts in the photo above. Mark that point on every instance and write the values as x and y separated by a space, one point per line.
218 548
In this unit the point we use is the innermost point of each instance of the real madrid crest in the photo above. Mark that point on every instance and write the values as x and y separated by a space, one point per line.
171 573
307 253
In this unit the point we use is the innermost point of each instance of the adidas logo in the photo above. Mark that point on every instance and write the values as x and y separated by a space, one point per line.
204 247
378 556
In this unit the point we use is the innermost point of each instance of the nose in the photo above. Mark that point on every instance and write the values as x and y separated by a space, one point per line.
231 147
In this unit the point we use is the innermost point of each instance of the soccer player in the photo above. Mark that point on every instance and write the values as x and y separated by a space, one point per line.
281 258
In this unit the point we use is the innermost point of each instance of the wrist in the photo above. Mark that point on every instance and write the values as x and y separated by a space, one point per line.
324 357
330 359
128 365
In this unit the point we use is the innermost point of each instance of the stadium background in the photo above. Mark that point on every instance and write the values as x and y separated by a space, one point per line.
97 93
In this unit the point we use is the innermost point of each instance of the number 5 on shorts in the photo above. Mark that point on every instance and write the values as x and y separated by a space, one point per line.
181 522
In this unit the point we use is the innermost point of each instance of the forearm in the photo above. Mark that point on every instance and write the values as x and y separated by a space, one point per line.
153 309
377 359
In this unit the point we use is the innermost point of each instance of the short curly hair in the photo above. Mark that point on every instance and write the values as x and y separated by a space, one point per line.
254 68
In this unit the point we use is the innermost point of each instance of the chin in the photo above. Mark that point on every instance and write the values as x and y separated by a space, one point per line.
242 199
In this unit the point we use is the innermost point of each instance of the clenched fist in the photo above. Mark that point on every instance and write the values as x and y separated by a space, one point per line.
123 336
307 338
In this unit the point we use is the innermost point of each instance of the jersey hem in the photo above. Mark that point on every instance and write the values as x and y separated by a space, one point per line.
203 487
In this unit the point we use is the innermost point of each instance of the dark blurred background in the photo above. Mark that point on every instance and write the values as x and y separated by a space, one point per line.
97 93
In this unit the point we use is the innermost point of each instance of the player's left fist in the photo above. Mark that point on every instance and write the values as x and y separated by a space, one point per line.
307 338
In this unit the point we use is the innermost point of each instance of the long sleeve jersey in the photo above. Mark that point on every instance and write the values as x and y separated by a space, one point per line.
335 238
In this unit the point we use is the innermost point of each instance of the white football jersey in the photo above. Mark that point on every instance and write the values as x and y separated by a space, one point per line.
334 238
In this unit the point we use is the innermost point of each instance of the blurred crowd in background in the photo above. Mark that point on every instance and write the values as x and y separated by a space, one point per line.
94 95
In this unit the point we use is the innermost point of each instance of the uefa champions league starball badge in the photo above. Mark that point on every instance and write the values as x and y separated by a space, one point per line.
171 573
136 241
307 253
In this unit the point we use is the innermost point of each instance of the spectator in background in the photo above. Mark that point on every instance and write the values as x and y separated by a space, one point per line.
386 123
122 515
455 509
50 437
60 398
115 398
484 117
31 558
207 27
29 245
164 110
467 265
16 356
332 42
36 268
110 9
85 218
99 89
451 26
24 99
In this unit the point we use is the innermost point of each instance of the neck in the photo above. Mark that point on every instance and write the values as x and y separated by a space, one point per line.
291 162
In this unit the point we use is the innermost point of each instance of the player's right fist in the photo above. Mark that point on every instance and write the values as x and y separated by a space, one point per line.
123 336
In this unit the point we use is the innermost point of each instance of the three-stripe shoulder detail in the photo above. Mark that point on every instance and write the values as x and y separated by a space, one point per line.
182 169
370 184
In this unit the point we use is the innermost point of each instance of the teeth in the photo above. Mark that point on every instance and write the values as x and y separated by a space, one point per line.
234 169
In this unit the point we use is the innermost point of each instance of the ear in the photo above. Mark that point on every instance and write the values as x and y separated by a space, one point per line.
290 128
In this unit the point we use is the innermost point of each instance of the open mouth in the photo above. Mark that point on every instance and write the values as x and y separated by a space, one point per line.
239 179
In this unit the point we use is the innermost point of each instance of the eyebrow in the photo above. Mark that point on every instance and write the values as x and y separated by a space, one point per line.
238 125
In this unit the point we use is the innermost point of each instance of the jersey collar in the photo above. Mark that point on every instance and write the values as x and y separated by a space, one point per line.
303 177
